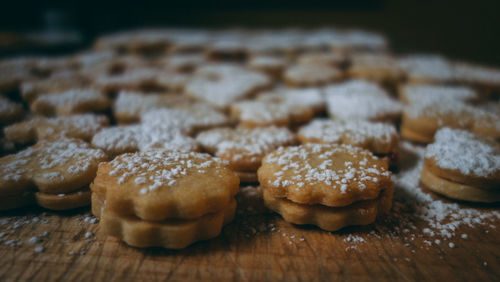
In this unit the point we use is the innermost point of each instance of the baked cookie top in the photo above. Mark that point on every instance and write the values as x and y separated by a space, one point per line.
327 174
458 151
412 94
379 138
427 68
82 126
311 75
358 99
52 166
70 102
160 184
307 97
244 148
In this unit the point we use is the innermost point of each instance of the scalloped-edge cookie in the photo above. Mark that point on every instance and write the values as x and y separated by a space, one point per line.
159 185
331 218
463 166
83 126
244 148
379 138
58 166
73 101
327 174
411 93
303 75
427 69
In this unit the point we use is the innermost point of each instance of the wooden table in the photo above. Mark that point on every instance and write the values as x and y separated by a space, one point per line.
257 246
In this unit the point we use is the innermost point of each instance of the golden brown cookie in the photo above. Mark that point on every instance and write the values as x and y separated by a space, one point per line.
311 97
64 201
379 138
31 89
411 93
252 114
361 100
159 185
50 167
334 59
70 102
270 65
222 84
331 218
244 148
463 166
303 75
326 174
184 63
421 120
14 71
129 106
427 69
382 69
485 79
76 126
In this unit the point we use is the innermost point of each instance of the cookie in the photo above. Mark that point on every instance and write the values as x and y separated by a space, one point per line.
335 59
14 71
311 97
70 102
252 114
427 69
327 174
127 139
9 111
270 65
223 84
184 63
379 138
411 94
303 75
331 218
485 79
172 82
421 120
76 126
361 100
188 119
31 89
331 186
129 105
244 148
382 69
139 79
463 166
63 201
164 198
50 167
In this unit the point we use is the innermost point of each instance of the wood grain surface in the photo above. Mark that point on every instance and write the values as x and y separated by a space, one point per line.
257 246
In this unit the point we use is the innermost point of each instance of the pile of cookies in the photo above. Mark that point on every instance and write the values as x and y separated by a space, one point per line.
156 129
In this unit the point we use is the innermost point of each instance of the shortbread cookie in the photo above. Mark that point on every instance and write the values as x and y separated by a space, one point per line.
335 59
128 139
326 174
14 71
171 81
303 75
270 65
9 111
70 102
421 120
252 114
77 126
379 68
64 201
31 89
226 49
463 166
160 185
189 119
484 79
50 167
411 94
361 100
244 148
129 106
331 218
184 62
427 69
220 85
141 79
379 138
169 233
311 97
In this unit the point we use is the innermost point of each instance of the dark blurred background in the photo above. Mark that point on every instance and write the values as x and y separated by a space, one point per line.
460 29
